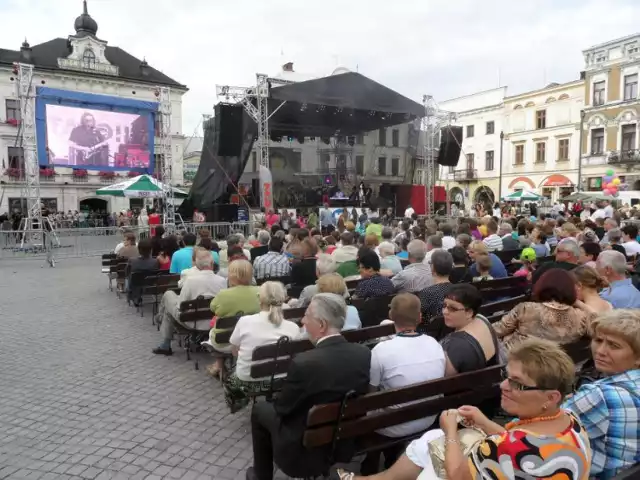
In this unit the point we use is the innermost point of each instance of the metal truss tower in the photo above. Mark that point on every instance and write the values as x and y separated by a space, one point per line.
166 174
32 226
255 101
434 119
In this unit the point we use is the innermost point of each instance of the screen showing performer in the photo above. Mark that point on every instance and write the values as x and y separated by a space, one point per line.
90 138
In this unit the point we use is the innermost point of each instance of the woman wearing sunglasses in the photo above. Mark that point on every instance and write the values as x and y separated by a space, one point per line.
544 441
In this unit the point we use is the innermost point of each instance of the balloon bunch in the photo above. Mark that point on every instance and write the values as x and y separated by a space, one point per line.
611 183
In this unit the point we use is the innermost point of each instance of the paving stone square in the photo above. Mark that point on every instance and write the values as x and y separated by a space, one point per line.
83 397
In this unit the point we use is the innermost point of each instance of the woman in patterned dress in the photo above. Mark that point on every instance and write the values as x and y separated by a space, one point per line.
544 441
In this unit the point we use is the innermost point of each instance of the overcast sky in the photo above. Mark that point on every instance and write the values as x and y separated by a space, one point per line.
445 48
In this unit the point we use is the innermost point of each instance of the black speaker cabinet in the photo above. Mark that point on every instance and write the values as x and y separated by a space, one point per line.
228 128
450 145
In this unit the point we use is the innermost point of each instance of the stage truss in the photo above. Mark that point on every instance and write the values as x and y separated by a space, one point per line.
258 112
166 172
434 119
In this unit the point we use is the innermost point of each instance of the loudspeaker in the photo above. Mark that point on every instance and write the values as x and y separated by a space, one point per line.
450 143
228 128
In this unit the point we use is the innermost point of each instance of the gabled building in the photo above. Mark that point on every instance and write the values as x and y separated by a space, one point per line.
82 62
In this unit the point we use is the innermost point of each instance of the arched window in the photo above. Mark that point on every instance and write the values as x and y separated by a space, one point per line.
564 96
89 59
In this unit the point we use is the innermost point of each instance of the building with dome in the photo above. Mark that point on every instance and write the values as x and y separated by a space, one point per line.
82 62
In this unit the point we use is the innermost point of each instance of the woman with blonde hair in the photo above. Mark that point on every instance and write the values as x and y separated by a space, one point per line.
544 441
478 248
334 283
608 408
589 284
265 327
240 298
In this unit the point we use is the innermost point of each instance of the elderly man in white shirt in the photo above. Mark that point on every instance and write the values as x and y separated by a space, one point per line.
202 282
347 251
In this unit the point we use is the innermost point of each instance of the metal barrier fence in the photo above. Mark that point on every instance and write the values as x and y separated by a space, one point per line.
96 241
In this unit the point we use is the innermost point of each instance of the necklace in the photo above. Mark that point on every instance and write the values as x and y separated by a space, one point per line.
519 423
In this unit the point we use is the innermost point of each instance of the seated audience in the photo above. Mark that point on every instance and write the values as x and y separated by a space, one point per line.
417 275
156 241
589 252
274 263
233 240
406 359
372 284
473 343
615 241
492 241
448 242
144 263
374 227
182 259
168 247
539 243
303 270
389 261
543 439
528 261
263 237
552 313
589 284
120 245
460 272
464 240
483 266
497 269
211 246
325 264
322 375
252 331
241 298
506 233
567 255
347 251
621 293
608 408
129 250
202 283
432 297
403 254
334 283
630 238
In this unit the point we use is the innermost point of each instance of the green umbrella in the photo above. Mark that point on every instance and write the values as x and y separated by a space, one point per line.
142 186
521 195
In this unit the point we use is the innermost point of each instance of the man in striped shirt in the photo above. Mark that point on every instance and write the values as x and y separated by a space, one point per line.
274 263
493 242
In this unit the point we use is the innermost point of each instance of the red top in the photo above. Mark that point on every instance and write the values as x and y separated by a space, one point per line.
154 219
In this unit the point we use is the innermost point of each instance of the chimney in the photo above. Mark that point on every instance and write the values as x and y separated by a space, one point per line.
25 52
287 67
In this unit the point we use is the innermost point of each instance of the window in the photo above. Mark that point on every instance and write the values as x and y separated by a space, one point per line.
89 59
491 127
360 165
470 131
341 163
598 93
519 154
254 161
395 166
594 183
629 137
13 109
360 139
541 148
597 141
563 149
541 119
382 165
395 138
488 160
382 137
470 161
16 157
325 159
631 87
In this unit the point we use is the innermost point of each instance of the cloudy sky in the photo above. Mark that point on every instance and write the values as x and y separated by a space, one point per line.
439 47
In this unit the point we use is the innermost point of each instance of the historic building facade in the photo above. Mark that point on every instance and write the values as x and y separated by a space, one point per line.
83 63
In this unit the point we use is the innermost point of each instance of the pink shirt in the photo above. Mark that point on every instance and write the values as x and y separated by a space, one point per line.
272 219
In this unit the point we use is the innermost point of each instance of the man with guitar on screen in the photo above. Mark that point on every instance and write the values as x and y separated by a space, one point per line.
87 145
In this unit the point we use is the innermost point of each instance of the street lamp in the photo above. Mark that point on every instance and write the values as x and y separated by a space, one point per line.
582 114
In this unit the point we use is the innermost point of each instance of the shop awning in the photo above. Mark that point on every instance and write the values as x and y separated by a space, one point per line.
525 180
557 180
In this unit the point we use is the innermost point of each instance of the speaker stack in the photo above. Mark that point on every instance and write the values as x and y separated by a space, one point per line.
228 129
450 144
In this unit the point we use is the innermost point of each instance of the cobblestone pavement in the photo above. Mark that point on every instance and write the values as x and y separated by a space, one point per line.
82 397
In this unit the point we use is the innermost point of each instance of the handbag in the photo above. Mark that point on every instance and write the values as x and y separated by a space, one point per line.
468 438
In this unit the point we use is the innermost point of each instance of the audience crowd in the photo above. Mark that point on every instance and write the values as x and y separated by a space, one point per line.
581 276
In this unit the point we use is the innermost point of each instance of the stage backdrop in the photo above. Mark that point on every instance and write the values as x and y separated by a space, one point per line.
96 132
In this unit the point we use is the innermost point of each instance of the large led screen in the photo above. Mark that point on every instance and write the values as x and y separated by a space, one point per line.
94 131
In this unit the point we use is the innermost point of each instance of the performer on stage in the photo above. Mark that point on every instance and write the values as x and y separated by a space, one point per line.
86 143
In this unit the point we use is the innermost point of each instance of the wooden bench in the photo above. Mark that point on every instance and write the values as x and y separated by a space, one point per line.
120 274
108 259
358 418
631 473
274 359
506 256
372 310
294 314
284 280
499 288
494 311
579 351
192 311
222 338
549 258
155 286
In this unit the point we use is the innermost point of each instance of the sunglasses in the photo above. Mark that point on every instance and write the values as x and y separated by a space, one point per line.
518 386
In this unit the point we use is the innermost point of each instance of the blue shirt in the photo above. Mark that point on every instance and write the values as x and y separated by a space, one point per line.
622 294
352 321
497 269
181 260
608 410
403 255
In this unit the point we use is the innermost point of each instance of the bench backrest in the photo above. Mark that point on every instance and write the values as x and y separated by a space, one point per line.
549 258
493 295
373 310
506 256
283 280
159 283
497 283
579 351
197 309
294 314
505 306
364 415
227 324
277 357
